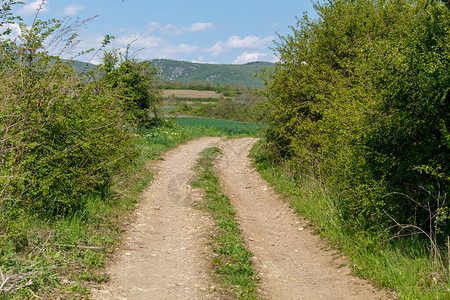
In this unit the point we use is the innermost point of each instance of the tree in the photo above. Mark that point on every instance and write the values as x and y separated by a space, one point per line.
360 99
135 83
62 134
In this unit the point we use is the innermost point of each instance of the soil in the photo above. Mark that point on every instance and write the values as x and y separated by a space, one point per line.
291 260
165 252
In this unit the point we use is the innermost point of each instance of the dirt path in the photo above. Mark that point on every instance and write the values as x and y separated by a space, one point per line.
289 258
164 254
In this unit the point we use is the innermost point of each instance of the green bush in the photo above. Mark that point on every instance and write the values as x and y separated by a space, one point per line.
407 144
63 135
134 82
360 101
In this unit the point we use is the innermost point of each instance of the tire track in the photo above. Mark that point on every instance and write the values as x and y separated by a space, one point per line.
289 258
164 254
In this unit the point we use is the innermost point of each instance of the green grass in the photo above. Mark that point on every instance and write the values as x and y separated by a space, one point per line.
404 267
64 257
185 99
229 127
232 262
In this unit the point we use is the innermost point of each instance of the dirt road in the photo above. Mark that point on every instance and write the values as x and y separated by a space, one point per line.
290 259
165 254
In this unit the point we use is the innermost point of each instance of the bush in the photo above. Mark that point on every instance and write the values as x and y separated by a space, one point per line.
134 83
360 100
63 135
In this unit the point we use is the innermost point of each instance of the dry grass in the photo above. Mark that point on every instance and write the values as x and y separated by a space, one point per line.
191 94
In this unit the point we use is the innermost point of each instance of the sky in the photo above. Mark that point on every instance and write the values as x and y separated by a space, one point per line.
224 32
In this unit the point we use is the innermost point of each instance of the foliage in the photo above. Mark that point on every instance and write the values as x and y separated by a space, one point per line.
62 135
360 101
135 84
404 266
199 74
407 145
7 17
64 139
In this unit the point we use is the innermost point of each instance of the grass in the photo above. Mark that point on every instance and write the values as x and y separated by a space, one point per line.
63 257
232 262
229 127
191 94
402 266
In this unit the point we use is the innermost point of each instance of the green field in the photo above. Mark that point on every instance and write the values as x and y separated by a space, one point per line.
230 127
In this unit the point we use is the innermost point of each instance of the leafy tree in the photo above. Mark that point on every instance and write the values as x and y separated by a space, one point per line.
135 83
360 100
407 145
62 135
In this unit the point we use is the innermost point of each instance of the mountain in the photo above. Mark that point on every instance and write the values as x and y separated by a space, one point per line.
187 72
80 66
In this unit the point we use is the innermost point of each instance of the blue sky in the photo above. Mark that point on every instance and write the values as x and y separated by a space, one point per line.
195 30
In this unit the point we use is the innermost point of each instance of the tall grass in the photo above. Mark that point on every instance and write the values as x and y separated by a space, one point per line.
405 267
63 257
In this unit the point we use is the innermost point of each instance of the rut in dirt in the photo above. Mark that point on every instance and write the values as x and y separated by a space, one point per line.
290 260
165 253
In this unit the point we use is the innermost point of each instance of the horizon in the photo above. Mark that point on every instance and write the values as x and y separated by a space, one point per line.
236 32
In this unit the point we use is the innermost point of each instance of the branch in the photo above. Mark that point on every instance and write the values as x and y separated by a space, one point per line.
3 281
407 196
79 246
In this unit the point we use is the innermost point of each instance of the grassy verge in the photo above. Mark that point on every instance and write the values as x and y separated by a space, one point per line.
64 256
232 261
404 267
229 127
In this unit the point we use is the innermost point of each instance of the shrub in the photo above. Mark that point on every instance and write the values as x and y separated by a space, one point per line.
62 135
360 100
134 82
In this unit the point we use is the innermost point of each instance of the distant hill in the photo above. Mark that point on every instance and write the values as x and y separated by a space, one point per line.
79 66
187 72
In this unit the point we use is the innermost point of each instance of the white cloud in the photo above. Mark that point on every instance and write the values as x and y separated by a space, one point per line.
217 49
247 57
170 29
72 10
139 41
202 60
274 25
15 30
153 47
32 7
185 49
196 27
250 42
